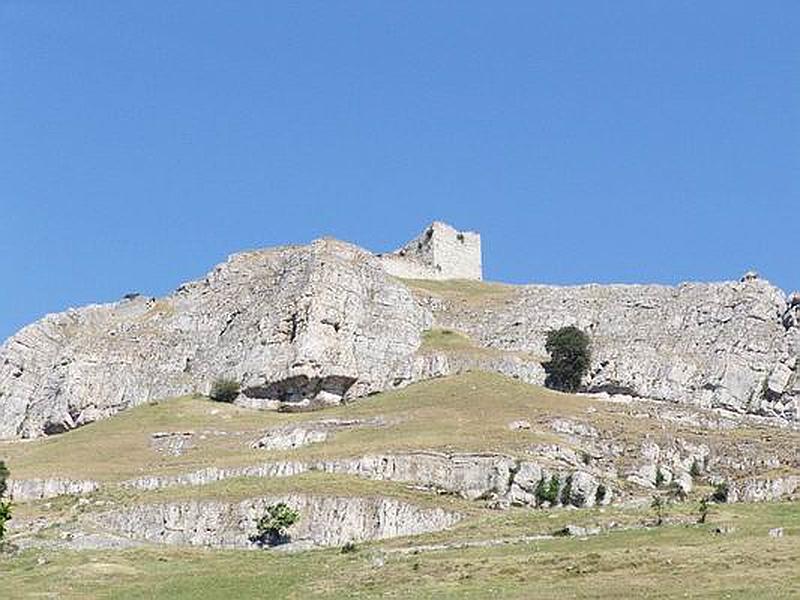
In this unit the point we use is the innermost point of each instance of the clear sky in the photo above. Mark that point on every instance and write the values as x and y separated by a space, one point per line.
628 141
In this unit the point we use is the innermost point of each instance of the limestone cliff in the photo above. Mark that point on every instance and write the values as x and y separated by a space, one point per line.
306 326
297 326
731 345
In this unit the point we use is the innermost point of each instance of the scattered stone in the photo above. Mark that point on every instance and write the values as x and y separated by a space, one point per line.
518 425
304 434
777 532
576 531
171 443
574 428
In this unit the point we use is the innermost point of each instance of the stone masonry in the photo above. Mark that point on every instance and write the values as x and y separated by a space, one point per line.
439 252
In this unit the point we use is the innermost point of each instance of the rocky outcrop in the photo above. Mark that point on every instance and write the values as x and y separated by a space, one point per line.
297 327
662 466
311 432
301 327
765 489
493 477
324 521
212 474
172 443
24 490
725 345
472 476
440 364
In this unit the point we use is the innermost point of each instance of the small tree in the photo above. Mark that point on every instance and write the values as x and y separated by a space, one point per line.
569 358
658 505
224 390
547 490
659 477
702 510
273 524
566 491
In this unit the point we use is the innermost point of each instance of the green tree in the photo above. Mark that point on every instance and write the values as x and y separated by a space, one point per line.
566 491
224 390
273 524
569 358
703 511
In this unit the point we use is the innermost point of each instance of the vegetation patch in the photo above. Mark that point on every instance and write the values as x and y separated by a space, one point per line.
569 358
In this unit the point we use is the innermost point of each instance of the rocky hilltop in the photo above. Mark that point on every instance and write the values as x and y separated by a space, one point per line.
301 327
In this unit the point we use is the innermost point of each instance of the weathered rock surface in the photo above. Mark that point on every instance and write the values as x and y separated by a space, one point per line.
172 443
726 345
307 326
765 489
296 326
495 477
324 521
311 432
24 490
212 474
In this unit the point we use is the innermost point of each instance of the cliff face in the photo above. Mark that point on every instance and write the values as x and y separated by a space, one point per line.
307 326
731 345
297 326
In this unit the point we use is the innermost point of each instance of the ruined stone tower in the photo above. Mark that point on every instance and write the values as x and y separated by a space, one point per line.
439 252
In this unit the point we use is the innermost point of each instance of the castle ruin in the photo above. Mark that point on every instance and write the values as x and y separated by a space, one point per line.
440 252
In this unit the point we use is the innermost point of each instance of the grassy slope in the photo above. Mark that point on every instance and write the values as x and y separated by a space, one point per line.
464 413
469 412
671 561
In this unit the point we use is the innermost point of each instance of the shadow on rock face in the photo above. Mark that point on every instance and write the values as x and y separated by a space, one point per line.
300 392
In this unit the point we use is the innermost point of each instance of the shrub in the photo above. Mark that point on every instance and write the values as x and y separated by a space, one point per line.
5 515
224 390
541 492
695 470
5 506
703 511
566 491
552 489
569 358
547 491
3 478
273 524
349 548
658 505
720 493
659 477
600 494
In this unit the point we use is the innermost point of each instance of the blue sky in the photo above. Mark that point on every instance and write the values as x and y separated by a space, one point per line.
629 141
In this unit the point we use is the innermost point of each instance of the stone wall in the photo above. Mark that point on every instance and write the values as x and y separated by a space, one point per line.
440 252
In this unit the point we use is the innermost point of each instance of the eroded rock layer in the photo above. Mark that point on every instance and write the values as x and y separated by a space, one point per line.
296 326
732 345
302 327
